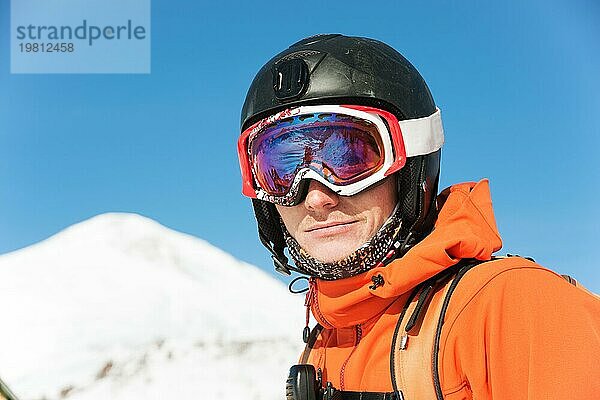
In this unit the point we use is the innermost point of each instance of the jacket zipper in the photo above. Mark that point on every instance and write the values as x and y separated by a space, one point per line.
343 370
313 299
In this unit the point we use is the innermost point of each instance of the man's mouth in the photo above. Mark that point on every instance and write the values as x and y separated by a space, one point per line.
330 228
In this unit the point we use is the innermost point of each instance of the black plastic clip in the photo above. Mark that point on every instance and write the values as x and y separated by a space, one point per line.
377 281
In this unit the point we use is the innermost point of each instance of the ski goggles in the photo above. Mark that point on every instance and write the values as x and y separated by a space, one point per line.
347 148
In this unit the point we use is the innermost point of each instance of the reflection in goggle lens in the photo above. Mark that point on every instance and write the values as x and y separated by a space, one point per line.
341 148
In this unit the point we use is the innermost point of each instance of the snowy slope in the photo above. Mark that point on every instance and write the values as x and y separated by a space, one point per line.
122 307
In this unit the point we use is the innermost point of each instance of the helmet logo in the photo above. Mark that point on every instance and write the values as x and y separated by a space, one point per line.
290 79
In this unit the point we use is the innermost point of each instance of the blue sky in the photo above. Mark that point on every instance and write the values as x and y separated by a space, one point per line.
517 83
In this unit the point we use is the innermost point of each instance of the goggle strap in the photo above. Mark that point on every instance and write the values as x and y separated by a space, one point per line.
423 135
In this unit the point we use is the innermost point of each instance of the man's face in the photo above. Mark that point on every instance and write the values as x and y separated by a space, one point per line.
330 227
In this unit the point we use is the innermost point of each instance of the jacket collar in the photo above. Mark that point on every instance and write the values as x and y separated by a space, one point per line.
465 228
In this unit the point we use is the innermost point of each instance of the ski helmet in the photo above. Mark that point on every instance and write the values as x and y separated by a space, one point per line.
337 69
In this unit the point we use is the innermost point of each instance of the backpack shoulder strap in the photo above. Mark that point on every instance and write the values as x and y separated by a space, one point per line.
416 339
438 330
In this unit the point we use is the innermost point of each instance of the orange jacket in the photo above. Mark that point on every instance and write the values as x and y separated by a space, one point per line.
518 332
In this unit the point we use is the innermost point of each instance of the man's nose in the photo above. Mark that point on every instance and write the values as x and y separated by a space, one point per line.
320 197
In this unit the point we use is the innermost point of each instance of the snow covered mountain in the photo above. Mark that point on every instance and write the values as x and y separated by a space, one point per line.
121 307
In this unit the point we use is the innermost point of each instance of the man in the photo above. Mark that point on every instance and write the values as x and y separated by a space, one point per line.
340 153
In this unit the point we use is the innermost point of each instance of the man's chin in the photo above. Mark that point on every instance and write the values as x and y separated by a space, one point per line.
332 252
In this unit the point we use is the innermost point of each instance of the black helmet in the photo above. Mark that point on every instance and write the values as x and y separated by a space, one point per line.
337 69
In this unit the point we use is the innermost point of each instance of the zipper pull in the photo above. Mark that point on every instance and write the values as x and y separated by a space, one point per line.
307 304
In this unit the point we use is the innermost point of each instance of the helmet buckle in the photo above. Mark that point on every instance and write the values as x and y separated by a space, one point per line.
280 267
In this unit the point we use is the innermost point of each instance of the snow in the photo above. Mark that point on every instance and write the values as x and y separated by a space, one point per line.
121 307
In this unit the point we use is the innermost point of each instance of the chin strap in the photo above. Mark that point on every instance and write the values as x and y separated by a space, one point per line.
280 261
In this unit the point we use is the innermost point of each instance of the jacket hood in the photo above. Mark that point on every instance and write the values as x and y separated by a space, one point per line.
465 228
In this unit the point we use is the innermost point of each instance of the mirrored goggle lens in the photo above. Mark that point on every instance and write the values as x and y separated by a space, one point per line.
341 148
